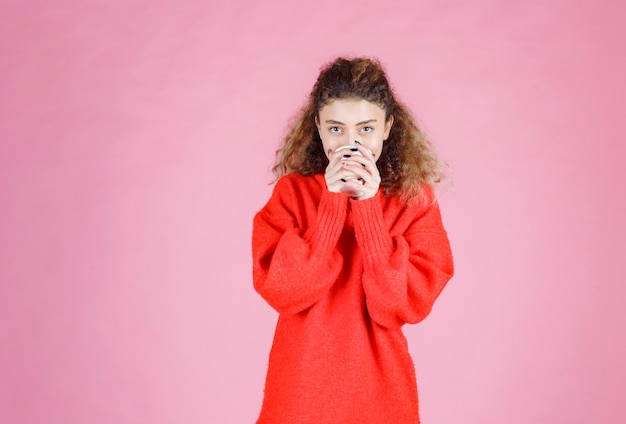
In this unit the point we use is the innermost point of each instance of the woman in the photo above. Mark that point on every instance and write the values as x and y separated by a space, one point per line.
349 248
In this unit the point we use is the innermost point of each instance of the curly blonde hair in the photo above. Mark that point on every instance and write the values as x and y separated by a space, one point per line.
407 161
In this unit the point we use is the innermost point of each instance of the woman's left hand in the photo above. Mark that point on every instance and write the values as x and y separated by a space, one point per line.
363 166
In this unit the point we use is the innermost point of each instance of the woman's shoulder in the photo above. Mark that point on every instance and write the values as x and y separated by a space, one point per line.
417 198
408 209
299 182
295 192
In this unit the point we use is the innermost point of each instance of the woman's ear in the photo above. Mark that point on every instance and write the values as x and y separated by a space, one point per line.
388 126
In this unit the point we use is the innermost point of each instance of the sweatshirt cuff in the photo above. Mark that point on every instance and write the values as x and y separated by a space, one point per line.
331 216
369 228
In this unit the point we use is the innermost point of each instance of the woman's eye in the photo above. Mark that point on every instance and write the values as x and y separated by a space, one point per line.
367 129
334 129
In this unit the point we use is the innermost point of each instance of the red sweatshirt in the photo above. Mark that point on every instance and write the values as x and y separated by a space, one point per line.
345 275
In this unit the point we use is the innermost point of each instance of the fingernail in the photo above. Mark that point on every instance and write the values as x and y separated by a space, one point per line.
354 149
347 156
343 180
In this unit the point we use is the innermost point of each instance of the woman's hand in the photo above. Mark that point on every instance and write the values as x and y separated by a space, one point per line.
353 172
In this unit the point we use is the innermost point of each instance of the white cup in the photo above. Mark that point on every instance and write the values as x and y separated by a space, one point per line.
352 152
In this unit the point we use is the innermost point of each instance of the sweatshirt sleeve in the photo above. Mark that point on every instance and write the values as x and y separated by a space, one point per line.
404 274
295 265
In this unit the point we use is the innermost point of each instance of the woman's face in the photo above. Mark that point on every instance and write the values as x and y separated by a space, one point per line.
343 122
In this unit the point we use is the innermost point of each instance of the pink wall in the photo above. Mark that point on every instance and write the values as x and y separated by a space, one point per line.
135 144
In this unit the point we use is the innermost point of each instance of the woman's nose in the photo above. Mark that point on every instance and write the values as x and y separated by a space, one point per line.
352 138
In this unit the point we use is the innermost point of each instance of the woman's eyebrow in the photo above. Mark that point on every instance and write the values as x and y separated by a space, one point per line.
369 121
333 122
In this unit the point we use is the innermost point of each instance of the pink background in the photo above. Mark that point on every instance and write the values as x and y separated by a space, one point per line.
135 144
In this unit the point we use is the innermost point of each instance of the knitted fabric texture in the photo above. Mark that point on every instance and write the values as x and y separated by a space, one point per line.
345 275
